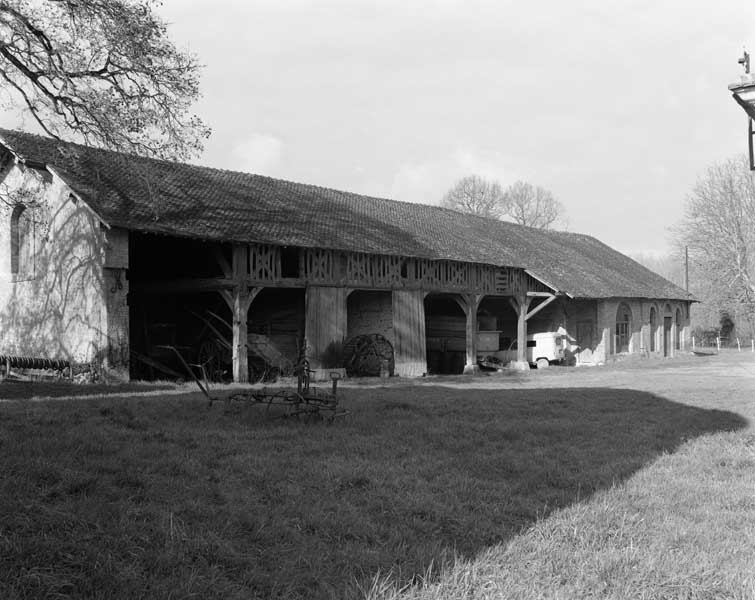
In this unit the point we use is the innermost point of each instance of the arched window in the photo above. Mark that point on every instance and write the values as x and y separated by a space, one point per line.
21 242
623 327
653 327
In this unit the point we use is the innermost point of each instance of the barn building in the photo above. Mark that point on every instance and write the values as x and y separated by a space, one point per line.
107 257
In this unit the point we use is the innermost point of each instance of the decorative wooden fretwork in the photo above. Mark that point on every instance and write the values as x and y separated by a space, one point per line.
507 280
356 269
319 265
264 263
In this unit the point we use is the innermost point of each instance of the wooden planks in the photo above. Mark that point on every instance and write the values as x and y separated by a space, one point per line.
409 333
325 320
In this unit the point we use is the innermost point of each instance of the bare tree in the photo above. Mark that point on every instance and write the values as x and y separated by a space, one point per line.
103 72
530 205
475 195
718 226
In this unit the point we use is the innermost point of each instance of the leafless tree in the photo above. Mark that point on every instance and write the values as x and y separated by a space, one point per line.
475 195
531 205
718 226
103 72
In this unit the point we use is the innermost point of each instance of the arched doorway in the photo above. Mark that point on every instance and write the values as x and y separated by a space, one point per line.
667 323
623 327
653 328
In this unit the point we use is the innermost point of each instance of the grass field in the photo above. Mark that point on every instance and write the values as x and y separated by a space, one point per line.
629 481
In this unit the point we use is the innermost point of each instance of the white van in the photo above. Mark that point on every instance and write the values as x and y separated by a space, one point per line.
542 349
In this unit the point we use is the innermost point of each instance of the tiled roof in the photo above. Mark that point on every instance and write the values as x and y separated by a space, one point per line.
179 199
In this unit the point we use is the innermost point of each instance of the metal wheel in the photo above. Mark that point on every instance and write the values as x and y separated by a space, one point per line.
367 355
210 355
542 363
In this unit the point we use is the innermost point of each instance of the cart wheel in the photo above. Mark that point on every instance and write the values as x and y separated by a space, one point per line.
542 363
210 355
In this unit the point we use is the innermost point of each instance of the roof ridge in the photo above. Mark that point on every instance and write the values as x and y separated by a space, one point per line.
154 195
47 139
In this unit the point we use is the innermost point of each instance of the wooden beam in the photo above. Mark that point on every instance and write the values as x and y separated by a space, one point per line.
181 286
514 304
228 297
540 306
539 294
286 283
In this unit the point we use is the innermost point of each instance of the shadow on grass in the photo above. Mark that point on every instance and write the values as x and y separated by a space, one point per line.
128 497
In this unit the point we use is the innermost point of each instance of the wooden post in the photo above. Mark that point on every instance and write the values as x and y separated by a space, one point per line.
521 304
241 301
521 329
409 347
472 302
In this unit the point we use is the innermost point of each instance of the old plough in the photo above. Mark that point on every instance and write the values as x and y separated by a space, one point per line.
306 403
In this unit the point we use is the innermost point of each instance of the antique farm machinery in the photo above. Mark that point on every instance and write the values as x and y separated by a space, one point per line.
306 403
266 363
368 355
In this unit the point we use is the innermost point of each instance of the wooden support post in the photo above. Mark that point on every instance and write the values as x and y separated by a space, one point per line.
242 299
523 303
472 302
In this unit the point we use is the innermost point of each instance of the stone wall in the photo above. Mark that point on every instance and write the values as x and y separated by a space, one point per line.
62 305
56 309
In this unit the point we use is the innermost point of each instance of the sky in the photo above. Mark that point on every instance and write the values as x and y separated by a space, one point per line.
615 107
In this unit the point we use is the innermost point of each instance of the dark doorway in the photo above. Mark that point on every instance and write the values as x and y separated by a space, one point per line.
653 327
667 321
446 331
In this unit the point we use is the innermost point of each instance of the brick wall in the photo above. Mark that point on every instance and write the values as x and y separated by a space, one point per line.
370 312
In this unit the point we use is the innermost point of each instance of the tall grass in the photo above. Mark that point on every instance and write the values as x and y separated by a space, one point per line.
423 491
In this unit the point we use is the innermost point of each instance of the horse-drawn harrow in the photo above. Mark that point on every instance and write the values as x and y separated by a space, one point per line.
306 403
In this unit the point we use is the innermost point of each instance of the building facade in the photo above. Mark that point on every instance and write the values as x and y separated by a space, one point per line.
111 259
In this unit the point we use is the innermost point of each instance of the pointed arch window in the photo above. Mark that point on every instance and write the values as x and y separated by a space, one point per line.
623 327
21 242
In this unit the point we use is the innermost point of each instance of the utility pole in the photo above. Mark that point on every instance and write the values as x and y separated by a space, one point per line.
686 269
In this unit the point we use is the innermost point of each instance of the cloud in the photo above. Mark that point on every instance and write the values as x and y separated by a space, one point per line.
260 153
426 182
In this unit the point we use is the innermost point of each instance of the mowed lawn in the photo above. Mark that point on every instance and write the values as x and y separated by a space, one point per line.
629 481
